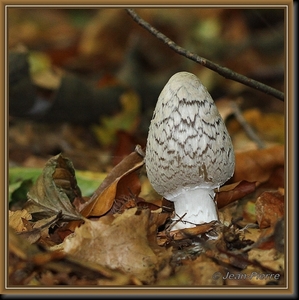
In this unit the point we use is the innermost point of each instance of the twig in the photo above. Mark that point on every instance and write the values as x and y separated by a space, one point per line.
247 128
225 72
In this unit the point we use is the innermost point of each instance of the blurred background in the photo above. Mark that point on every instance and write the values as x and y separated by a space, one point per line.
84 82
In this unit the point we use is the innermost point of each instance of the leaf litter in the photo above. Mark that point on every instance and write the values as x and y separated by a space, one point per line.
118 231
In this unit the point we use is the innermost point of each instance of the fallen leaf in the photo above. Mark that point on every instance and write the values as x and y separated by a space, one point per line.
54 190
88 181
40 231
102 199
275 181
16 219
258 165
119 242
232 192
29 261
127 192
203 271
269 208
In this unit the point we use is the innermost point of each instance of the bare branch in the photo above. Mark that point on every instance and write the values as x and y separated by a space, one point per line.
225 72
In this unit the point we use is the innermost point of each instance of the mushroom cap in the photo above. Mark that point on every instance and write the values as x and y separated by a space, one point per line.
188 145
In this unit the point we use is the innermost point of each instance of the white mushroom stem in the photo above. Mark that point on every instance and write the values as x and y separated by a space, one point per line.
193 207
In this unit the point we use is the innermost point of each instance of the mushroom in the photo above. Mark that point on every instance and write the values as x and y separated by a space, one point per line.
189 152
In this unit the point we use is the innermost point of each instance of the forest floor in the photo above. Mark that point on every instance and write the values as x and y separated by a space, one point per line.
81 209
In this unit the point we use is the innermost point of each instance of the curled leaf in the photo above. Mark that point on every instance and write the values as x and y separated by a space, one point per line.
120 181
232 192
54 190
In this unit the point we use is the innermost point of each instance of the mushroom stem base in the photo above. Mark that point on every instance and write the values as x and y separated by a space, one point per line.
193 207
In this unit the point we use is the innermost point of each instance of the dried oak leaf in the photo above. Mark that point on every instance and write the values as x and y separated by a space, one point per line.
121 241
54 190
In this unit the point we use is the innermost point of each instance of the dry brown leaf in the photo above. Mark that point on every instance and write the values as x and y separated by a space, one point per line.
258 165
127 192
103 198
120 242
32 232
132 161
269 208
16 219
275 181
104 202
232 192
33 262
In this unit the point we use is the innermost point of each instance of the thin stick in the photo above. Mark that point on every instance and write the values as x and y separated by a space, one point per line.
225 72
247 128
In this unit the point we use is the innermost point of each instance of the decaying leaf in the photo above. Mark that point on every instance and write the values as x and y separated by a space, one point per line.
54 190
120 242
88 181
